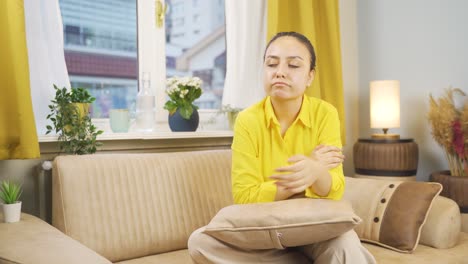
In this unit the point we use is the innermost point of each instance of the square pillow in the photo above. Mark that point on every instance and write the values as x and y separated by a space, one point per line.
393 212
281 224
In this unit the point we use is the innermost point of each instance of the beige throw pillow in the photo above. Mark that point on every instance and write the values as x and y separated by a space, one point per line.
281 224
393 212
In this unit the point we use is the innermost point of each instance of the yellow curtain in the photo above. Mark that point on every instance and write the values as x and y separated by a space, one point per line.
18 137
319 21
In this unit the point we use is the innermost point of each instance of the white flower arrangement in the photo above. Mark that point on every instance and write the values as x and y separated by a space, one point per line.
182 91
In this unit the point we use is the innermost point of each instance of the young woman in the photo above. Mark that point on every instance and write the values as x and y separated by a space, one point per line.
286 145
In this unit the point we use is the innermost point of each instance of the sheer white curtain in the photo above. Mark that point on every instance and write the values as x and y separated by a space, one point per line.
44 37
245 43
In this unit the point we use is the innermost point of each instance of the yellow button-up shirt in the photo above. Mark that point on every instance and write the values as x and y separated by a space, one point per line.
258 147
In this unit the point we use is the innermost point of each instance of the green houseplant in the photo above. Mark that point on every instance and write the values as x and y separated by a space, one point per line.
182 92
231 113
9 194
71 121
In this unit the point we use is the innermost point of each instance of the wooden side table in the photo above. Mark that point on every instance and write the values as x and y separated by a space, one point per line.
390 159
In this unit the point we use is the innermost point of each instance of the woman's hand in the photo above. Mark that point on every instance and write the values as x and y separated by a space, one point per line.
299 176
329 156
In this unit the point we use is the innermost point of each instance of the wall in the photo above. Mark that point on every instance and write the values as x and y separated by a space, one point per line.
423 44
350 60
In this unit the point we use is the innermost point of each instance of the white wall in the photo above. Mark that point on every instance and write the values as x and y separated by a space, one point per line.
422 43
350 60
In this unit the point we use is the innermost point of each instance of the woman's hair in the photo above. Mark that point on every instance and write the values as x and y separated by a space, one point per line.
301 38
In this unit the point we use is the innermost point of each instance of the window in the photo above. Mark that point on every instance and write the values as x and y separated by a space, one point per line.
100 44
103 55
198 48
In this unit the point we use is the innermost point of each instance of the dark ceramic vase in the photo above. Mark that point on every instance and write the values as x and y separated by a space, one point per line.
177 123
455 188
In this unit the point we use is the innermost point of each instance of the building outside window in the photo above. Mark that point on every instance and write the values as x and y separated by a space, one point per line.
196 47
100 42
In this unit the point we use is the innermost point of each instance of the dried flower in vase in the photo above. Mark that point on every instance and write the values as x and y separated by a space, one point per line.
449 125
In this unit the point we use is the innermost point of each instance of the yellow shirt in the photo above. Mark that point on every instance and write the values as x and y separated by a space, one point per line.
258 147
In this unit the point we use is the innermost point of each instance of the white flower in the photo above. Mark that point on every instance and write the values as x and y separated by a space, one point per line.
181 86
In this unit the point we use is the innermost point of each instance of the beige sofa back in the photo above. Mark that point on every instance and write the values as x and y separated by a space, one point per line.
126 206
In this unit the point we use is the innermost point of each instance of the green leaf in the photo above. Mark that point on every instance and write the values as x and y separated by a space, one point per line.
186 111
170 106
10 192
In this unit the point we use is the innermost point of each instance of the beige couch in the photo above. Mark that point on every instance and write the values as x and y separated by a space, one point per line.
141 208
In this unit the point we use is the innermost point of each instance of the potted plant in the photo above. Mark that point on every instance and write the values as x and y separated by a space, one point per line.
10 194
231 113
449 127
182 92
71 121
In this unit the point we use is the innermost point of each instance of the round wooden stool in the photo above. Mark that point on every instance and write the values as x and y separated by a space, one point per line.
390 159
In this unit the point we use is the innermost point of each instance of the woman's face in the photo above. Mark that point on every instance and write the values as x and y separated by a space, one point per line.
287 69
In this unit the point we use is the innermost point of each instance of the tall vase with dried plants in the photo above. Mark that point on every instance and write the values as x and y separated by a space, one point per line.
448 118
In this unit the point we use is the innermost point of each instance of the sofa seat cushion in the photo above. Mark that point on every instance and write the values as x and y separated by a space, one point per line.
423 254
174 257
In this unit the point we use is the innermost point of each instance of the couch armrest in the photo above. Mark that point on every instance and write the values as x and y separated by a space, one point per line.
443 224
32 240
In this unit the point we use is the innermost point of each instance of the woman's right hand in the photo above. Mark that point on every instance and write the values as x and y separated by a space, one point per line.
329 156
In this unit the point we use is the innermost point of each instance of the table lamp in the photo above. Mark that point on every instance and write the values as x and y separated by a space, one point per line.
385 107
385 156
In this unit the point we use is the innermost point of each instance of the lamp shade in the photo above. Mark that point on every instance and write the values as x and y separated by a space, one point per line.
385 104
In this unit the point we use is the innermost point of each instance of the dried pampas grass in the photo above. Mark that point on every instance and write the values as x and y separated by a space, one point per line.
442 116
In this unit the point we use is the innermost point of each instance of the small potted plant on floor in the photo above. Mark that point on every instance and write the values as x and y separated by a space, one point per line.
69 113
9 195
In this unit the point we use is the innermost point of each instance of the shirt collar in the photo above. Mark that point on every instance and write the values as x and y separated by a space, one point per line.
304 114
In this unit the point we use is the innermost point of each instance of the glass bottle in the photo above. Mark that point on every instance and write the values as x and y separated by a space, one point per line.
145 105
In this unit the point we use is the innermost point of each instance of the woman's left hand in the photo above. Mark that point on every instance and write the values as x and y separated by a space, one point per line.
300 175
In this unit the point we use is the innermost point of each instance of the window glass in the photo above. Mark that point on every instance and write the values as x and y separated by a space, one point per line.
100 43
197 47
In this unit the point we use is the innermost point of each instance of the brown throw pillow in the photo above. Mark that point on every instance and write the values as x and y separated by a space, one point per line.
281 224
393 212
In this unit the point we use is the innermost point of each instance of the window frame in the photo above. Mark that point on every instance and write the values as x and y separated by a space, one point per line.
151 43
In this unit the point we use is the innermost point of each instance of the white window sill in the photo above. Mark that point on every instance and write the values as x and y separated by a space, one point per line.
158 141
151 136
213 133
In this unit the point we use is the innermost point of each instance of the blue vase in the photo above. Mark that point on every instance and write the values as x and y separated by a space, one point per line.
177 123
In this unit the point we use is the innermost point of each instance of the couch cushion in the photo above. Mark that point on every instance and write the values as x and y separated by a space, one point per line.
443 224
281 224
423 254
32 240
393 212
126 206
174 257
